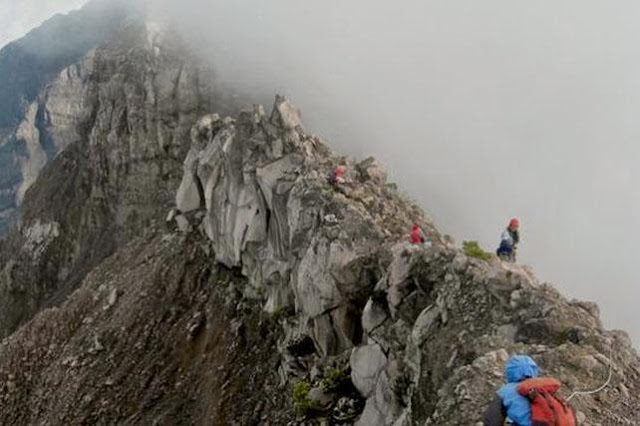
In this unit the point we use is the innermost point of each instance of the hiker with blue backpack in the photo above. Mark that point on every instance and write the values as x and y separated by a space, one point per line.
509 241
528 400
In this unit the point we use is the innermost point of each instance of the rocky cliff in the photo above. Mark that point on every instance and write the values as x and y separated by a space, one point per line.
40 101
124 115
177 264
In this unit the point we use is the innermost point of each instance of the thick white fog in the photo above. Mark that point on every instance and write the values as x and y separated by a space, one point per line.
481 111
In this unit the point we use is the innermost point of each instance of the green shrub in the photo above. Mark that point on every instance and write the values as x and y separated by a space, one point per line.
473 249
301 402
333 379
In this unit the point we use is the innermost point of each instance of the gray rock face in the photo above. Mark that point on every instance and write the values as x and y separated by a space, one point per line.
446 354
114 130
52 122
262 182
372 169
38 93
36 157
373 316
38 236
412 316
367 362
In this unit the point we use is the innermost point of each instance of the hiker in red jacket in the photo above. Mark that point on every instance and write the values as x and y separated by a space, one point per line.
417 236
337 178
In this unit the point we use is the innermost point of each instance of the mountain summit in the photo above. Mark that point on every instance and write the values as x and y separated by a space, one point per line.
176 263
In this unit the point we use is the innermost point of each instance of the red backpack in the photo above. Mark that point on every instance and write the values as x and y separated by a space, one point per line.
547 409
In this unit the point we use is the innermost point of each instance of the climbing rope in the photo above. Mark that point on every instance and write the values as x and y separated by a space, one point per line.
591 392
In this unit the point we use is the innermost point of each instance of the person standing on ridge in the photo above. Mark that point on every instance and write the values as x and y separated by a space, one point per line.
509 241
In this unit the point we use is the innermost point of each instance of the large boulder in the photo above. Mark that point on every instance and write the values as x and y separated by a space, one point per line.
367 363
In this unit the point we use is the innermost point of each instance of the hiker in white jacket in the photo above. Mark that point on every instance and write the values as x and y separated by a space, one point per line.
509 241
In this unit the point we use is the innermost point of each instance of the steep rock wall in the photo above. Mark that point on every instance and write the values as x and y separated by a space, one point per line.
39 66
118 125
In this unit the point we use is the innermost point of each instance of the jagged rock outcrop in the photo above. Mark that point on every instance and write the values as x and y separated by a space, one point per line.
416 320
446 352
267 209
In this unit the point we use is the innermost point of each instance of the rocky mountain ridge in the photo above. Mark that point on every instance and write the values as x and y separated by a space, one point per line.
270 279
177 264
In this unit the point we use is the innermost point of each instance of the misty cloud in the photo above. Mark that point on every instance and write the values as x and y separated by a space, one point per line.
19 17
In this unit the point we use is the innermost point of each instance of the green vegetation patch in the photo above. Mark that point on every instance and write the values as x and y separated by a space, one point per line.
473 249
334 379
302 405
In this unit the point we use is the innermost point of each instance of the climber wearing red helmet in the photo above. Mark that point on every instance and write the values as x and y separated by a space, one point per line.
509 241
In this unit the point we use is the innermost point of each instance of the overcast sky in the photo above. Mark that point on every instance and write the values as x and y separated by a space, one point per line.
17 17
482 110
